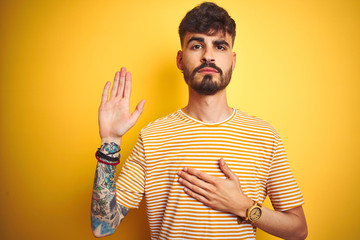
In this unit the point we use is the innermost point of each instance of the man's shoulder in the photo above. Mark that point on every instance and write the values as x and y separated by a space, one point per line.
171 120
254 122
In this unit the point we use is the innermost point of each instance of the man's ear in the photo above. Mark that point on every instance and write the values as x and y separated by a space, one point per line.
179 59
234 61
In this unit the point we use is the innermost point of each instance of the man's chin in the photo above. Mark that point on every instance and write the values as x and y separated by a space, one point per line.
207 89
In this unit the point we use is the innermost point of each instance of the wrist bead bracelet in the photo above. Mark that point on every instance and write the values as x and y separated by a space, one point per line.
104 156
106 161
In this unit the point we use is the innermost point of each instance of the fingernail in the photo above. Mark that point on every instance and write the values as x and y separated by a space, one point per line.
222 162
180 179
185 169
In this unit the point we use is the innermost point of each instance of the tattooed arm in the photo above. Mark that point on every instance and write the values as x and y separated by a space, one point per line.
106 213
115 120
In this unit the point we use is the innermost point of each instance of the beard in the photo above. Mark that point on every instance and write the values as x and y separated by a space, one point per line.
207 86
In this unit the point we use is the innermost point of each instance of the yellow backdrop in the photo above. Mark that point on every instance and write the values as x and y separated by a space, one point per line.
297 67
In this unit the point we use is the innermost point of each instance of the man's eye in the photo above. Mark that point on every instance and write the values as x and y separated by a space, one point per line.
197 46
220 47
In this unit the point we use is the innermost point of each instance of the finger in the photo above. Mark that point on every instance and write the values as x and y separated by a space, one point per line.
115 85
105 93
137 112
197 196
195 188
226 170
201 175
127 91
195 181
120 90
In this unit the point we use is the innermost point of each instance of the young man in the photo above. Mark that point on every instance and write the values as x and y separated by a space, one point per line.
204 170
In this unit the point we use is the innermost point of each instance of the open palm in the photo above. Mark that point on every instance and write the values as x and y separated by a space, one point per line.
115 118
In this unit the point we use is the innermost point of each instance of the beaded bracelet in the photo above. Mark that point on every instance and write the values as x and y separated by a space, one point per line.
104 156
105 161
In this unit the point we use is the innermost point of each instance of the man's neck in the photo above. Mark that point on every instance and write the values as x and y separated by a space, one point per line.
211 109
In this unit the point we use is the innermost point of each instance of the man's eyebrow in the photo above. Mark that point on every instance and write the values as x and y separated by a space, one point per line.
221 42
199 39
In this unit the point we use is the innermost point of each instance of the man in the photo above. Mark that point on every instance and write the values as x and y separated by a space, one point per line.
204 170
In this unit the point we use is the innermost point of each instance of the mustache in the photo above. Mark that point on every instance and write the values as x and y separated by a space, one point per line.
207 64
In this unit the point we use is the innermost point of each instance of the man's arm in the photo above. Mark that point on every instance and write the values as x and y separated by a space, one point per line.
115 120
106 213
226 195
290 224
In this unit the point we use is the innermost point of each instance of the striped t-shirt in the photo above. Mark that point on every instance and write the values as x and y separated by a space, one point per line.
250 146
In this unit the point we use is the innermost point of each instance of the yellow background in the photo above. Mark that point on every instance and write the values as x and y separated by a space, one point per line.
297 67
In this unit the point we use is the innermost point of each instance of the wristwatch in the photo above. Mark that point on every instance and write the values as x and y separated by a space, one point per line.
252 214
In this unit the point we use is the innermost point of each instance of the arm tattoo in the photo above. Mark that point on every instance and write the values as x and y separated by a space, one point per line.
110 148
106 213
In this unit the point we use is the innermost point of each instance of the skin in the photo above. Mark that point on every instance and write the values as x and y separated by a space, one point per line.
115 120
217 76
192 56
106 214
225 195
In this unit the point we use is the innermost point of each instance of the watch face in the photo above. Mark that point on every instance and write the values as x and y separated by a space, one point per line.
255 214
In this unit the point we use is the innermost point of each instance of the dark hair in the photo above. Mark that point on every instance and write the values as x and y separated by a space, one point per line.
207 18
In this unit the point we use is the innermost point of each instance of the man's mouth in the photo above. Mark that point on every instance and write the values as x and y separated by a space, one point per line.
208 70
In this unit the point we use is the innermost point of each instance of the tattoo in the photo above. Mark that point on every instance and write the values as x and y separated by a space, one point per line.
106 213
110 148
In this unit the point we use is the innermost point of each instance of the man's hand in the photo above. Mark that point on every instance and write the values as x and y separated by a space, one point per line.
114 112
221 194
226 195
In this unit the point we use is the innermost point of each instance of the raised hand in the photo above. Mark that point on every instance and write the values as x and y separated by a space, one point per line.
115 118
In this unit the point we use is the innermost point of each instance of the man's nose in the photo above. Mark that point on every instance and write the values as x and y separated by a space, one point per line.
208 56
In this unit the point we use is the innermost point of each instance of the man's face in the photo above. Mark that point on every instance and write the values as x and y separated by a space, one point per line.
207 61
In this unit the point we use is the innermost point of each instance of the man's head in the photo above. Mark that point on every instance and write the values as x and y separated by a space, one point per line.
207 35
207 18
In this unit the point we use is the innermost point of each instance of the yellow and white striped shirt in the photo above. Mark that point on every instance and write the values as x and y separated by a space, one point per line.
250 146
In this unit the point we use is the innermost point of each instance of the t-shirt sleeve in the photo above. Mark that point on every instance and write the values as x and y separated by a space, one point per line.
130 183
282 187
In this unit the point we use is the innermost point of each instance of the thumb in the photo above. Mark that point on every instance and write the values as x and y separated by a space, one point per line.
226 170
137 112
